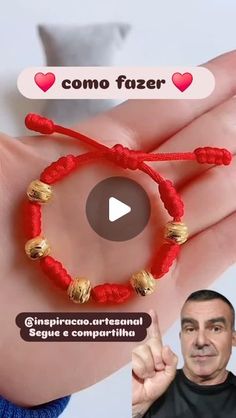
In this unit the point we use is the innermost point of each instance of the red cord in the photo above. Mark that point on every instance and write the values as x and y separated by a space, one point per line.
127 159
112 293
56 272
32 219
164 258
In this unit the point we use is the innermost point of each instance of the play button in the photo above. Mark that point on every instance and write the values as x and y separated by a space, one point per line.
118 209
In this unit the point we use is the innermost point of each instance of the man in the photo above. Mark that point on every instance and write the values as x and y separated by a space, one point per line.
203 388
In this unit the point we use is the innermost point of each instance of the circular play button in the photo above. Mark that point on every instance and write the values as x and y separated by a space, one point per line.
118 209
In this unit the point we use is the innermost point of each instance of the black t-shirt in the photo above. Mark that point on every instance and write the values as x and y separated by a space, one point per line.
185 399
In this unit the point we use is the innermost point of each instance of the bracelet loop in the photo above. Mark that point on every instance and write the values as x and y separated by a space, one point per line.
40 192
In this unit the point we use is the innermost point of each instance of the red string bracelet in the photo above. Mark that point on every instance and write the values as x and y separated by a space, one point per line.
39 192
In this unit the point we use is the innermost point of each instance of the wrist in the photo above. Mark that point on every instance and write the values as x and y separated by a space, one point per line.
52 409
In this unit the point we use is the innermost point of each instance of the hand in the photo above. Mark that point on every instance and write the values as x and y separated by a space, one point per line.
209 196
154 368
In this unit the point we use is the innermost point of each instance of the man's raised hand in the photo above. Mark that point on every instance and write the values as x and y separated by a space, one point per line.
153 369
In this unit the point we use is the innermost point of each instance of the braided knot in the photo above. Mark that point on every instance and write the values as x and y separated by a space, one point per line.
111 293
39 124
59 169
171 199
32 211
55 271
164 258
124 157
212 155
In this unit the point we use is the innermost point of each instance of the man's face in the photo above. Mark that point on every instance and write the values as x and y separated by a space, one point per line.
206 338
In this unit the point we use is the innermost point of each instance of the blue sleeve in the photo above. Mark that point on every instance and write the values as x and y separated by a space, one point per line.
48 410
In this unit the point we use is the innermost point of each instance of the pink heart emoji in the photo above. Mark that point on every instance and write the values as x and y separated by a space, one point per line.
182 81
44 81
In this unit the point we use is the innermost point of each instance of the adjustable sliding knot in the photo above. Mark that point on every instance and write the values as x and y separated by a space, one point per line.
39 124
124 157
212 155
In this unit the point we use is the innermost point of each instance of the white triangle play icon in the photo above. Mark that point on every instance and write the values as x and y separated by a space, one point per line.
117 209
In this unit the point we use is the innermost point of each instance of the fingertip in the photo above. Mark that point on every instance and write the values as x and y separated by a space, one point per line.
154 327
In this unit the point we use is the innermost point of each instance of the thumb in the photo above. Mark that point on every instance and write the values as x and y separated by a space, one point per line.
170 360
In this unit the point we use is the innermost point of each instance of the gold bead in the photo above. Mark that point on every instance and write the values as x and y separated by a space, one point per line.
79 290
176 231
37 247
143 282
39 192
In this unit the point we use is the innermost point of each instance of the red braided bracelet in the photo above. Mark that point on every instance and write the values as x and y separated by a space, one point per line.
40 191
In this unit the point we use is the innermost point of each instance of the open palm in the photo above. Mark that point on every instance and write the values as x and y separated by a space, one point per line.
50 370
